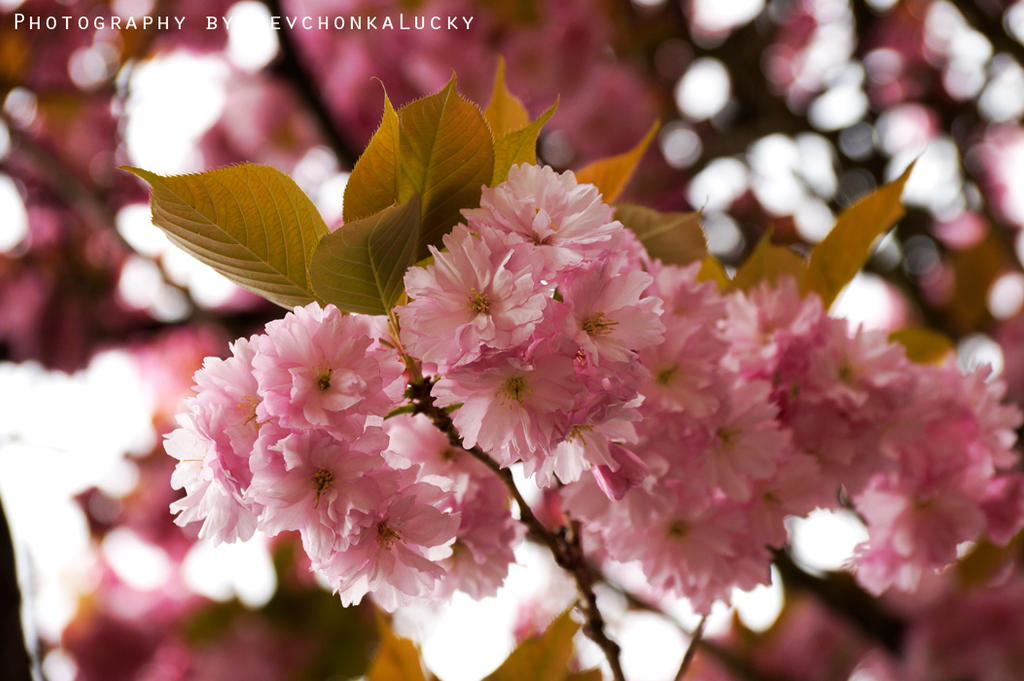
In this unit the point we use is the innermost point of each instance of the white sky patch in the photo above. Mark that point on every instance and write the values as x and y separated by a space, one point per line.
774 162
652 647
839 107
704 89
761 606
936 181
252 43
715 188
5 141
464 640
814 219
329 198
722 233
1006 295
14 225
142 283
60 435
242 569
680 145
714 16
825 540
978 350
174 100
140 564
866 301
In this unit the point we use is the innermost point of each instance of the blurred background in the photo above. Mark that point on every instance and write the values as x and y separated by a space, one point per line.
775 114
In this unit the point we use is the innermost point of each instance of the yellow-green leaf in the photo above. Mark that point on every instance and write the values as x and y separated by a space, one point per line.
504 113
922 345
673 238
712 270
361 266
767 263
398 659
373 184
447 156
541 658
588 675
611 175
250 223
519 146
841 254
986 559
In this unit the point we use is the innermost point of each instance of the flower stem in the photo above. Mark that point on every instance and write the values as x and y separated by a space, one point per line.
564 544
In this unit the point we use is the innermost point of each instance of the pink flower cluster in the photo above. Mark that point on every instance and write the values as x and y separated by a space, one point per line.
684 425
289 434
759 407
533 318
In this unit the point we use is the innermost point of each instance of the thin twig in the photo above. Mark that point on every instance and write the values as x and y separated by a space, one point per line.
291 68
565 544
691 649
729 659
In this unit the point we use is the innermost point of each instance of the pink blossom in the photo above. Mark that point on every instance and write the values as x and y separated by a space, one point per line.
910 534
512 407
701 555
1003 506
316 369
470 299
770 325
626 471
415 442
485 541
607 315
394 548
211 476
212 444
566 220
743 441
311 482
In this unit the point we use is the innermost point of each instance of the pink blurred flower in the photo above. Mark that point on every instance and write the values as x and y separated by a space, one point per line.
316 368
468 300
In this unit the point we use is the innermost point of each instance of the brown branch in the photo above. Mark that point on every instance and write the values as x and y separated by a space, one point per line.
565 545
17 665
691 649
840 593
290 67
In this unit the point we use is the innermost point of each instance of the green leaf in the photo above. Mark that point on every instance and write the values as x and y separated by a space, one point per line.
447 156
519 146
250 223
712 270
504 113
922 345
846 249
673 238
611 175
767 263
373 184
541 658
361 266
403 409
398 659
